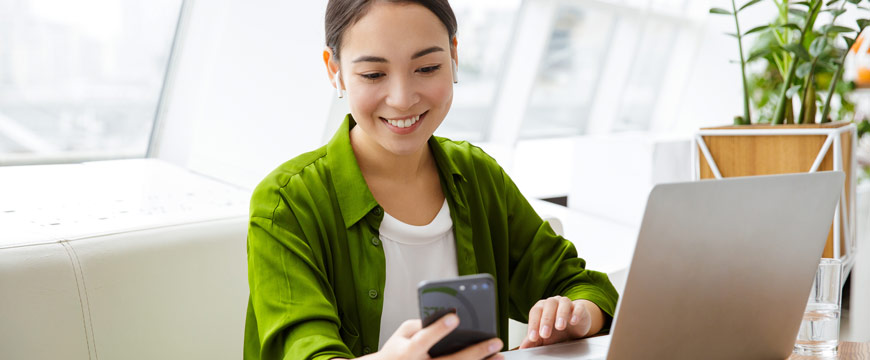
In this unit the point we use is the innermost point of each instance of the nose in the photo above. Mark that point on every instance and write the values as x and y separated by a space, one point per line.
402 94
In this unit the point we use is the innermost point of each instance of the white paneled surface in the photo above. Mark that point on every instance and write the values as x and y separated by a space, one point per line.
49 203
42 316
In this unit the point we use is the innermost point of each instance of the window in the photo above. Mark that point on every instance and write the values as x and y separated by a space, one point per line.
81 80
485 30
569 73
604 66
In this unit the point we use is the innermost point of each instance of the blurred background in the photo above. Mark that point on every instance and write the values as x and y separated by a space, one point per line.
232 89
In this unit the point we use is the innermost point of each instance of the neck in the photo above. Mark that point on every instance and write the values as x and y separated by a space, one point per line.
377 162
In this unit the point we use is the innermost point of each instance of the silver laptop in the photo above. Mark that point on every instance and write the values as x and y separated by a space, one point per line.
722 270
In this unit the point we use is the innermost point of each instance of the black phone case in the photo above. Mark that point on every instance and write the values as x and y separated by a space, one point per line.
472 298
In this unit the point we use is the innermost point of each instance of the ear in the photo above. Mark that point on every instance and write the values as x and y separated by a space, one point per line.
332 65
453 54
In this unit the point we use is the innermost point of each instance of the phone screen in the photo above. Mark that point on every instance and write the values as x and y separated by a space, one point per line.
472 298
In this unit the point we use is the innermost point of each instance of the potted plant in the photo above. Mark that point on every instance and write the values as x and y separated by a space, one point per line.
795 128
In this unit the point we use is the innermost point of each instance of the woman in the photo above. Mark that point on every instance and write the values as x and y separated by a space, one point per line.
339 237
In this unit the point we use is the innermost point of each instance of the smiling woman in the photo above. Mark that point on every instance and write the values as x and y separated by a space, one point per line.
340 236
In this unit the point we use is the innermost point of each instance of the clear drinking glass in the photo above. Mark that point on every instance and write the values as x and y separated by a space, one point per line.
819 334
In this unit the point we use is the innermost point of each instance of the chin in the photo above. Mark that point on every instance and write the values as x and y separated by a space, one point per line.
406 147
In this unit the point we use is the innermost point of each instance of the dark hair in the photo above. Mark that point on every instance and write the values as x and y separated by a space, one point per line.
341 14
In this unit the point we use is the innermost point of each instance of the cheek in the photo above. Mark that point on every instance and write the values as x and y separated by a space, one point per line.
441 93
362 102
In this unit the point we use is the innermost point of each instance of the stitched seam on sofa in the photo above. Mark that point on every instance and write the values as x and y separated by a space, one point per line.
87 302
77 273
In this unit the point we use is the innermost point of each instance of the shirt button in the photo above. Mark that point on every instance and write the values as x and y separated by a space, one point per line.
367 350
376 241
377 211
373 293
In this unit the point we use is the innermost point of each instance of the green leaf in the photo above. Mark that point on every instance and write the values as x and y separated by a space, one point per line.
836 29
792 26
804 69
758 54
798 12
854 1
731 35
849 42
798 50
835 12
863 23
756 29
817 47
720 11
804 3
832 2
792 90
753 2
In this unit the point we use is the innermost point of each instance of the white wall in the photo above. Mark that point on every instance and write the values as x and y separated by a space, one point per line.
249 89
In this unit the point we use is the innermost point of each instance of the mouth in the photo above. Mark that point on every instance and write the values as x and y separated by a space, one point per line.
404 124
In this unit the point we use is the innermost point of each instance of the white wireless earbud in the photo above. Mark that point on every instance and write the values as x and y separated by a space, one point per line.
338 84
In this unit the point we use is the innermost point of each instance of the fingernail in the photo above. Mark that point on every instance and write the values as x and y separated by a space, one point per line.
575 319
545 331
494 346
560 323
451 320
532 335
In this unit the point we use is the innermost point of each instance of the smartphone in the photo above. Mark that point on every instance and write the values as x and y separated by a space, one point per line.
472 298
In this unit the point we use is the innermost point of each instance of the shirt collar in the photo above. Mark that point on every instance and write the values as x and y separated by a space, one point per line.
354 197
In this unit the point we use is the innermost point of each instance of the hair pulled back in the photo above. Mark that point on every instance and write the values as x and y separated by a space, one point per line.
342 14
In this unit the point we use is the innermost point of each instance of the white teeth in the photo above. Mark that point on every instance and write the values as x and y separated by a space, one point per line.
404 123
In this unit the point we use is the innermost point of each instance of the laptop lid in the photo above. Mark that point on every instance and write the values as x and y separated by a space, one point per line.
722 268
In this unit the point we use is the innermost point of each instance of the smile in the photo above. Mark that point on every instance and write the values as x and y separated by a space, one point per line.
404 124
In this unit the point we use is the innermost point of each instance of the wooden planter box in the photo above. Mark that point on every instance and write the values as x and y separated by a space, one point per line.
749 150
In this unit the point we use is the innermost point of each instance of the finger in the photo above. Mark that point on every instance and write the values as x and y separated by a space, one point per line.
584 319
426 338
409 328
527 343
548 316
563 313
530 344
578 312
477 351
535 320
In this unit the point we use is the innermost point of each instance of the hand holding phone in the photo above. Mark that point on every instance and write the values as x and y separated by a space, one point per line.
471 298
412 342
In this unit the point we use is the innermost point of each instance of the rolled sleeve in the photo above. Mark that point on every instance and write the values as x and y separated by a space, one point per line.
545 264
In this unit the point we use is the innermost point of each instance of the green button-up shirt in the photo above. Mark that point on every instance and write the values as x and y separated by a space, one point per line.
316 269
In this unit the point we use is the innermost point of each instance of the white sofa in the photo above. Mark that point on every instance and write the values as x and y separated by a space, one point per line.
120 260
165 293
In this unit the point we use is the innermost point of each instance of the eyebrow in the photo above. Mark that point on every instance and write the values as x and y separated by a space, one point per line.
378 59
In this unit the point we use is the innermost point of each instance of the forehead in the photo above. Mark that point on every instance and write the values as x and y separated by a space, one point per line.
394 30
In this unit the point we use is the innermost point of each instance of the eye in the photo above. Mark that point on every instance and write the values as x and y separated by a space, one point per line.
372 76
429 69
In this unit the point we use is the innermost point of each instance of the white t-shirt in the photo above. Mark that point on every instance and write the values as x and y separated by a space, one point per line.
413 254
